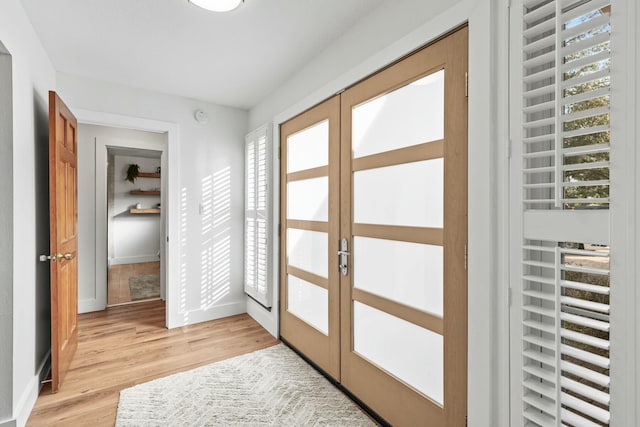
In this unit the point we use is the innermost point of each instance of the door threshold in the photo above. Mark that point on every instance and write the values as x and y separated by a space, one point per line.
120 304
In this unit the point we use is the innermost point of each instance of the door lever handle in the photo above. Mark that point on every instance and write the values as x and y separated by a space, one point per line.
343 257
68 256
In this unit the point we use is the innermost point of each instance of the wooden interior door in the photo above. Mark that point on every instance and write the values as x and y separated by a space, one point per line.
63 199
309 294
404 213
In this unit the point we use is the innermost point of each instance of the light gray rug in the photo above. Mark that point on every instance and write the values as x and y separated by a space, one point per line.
144 286
270 387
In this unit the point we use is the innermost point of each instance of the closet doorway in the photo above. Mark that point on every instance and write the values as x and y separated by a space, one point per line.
133 225
373 285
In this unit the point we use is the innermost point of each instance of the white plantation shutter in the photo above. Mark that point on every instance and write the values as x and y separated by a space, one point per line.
560 195
565 65
257 216
565 326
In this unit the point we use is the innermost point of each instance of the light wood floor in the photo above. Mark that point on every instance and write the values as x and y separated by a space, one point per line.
127 345
118 291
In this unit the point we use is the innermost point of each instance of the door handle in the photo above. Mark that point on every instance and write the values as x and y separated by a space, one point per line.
68 256
343 257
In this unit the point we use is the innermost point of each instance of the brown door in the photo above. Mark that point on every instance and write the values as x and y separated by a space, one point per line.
63 199
309 301
404 213
395 265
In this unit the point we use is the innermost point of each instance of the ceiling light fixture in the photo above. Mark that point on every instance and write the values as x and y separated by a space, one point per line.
217 5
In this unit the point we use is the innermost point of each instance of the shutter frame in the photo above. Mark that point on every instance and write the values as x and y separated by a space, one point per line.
560 325
257 217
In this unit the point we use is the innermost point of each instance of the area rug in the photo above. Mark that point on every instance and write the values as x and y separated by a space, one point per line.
144 286
270 387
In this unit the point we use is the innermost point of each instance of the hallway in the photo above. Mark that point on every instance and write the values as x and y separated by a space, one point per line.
127 345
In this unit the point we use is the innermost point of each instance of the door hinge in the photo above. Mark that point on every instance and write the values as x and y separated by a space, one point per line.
466 421
466 257
466 84
279 151
279 230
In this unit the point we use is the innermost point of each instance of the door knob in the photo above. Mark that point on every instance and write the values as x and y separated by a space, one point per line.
68 256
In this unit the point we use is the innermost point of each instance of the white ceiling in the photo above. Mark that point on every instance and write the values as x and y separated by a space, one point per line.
174 47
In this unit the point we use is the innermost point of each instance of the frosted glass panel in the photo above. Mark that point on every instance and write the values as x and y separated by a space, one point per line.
308 148
411 115
409 352
409 273
308 199
408 194
308 250
309 302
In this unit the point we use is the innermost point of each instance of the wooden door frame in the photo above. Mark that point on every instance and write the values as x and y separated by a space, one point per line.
170 209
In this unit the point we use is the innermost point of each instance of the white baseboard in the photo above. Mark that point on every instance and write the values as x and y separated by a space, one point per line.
90 305
134 259
267 319
204 315
8 423
30 395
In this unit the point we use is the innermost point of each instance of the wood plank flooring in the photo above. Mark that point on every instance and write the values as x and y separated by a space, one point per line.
118 291
127 345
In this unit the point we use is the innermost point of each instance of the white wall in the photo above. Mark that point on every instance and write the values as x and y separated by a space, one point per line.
6 230
209 277
135 238
92 271
333 68
33 77
389 33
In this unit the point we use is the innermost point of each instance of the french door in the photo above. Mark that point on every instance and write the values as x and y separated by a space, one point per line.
309 176
393 237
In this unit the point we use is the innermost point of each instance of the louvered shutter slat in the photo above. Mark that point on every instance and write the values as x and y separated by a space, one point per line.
585 373
586 287
537 371
540 419
586 356
577 420
586 391
591 410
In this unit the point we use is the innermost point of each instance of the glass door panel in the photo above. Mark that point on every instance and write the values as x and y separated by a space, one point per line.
405 272
308 199
308 148
308 250
405 350
309 302
410 115
383 196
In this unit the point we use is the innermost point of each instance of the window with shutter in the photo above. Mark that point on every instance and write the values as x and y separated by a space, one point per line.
257 262
560 202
